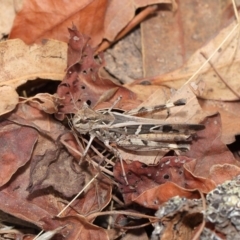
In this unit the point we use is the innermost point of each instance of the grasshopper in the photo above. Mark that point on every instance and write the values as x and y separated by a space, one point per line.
133 132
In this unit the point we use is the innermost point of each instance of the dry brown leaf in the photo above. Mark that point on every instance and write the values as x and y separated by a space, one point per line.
41 209
207 84
146 92
20 63
170 38
44 101
203 184
33 209
52 169
98 19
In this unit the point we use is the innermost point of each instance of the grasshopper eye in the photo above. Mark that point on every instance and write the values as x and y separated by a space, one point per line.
83 121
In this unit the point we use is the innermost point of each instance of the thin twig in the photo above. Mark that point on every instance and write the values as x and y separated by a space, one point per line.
235 10
220 76
199 231
128 213
135 227
85 187
211 56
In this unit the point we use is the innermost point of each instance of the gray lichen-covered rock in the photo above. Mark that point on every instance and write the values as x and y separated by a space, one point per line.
223 208
222 211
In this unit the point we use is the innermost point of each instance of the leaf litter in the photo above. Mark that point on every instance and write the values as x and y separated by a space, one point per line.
40 156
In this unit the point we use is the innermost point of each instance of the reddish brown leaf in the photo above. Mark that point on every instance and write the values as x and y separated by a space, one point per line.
142 177
99 19
195 182
209 149
230 112
49 169
16 143
78 228
96 198
32 209
82 82
40 209
50 19
154 197
52 169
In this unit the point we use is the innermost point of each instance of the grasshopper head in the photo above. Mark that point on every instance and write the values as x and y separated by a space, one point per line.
85 120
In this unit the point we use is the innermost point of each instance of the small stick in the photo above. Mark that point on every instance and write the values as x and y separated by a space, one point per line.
211 56
199 231
220 76
128 213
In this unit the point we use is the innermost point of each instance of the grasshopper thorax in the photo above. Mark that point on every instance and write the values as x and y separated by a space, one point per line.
87 120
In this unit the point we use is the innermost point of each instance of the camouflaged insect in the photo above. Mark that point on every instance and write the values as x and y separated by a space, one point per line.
132 132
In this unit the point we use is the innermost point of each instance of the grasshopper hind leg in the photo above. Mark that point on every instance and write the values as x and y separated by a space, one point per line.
87 148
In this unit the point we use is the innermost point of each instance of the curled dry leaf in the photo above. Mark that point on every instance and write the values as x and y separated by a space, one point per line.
44 101
115 21
203 184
